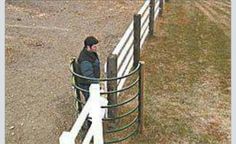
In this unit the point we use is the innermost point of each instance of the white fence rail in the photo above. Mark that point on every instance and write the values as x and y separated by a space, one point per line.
93 109
125 48
125 61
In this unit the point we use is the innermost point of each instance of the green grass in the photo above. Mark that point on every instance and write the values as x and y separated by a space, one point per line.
187 80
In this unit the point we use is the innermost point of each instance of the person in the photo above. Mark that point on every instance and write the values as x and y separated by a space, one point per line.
89 64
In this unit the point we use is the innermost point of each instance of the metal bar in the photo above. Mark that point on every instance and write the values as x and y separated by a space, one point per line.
124 127
123 103
105 79
79 88
122 82
120 140
76 81
141 95
126 62
127 68
121 90
121 116
78 100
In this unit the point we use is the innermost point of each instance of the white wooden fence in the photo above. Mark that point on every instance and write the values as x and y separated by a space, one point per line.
125 48
125 60
93 109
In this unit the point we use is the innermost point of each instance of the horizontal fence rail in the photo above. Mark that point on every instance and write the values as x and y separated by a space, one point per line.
125 48
157 9
92 108
122 63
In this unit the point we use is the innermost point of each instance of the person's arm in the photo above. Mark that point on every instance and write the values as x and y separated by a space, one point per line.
87 70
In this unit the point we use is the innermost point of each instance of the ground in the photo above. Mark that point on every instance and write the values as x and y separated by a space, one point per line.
187 68
41 38
188 75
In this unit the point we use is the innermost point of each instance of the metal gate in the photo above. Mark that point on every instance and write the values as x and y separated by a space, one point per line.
114 119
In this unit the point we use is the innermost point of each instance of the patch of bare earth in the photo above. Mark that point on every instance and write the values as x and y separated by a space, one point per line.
41 38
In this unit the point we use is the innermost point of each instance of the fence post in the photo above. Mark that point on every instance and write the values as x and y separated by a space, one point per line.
141 95
76 70
137 30
151 17
112 85
161 7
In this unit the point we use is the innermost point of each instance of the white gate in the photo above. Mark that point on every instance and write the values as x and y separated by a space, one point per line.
92 109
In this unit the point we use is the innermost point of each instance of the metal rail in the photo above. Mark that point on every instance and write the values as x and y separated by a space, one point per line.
135 110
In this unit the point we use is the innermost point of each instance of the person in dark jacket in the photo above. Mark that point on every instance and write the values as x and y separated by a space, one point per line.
89 64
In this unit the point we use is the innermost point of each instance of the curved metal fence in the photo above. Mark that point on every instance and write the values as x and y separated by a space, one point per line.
122 63
136 122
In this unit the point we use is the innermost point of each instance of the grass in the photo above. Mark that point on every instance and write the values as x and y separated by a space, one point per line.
187 80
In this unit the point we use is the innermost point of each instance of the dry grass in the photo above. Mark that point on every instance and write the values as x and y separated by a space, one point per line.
187 79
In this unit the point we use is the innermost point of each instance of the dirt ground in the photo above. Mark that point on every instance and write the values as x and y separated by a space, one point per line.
41 37
187 66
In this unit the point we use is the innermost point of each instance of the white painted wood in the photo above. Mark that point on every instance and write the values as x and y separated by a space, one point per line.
122 48
157 5
105 72
144 7
145 16
146 25
156 13
122 82
66 138
144 37
126 62
79 122
88 136
94 110
97 114
119 46
124 51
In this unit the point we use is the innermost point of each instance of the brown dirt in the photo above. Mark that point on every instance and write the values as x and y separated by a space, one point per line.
41 37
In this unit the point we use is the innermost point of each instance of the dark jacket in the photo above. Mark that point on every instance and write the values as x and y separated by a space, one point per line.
89 66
